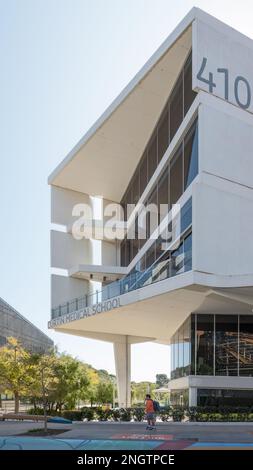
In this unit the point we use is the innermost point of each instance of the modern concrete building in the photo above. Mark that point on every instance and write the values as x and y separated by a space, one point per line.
15 325
180 133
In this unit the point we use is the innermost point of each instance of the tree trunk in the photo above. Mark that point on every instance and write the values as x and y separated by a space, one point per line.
45 416
44 401
16 397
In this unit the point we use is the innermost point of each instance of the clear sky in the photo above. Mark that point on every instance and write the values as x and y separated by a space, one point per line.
62 63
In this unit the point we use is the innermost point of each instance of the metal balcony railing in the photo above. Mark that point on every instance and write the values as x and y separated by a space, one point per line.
168 265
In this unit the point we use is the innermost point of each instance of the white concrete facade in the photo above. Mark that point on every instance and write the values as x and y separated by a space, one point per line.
220 280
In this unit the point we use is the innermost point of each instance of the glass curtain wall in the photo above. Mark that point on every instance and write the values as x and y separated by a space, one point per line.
171 117
181 350
220 345
176 177
172 186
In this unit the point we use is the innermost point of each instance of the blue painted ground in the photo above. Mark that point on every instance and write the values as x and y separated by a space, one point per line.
40 443
222 444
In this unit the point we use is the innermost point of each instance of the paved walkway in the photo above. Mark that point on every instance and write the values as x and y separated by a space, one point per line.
102 436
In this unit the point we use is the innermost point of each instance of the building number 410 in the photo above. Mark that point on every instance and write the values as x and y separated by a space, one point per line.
238 80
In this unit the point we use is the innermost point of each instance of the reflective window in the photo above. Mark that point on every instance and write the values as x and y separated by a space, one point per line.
223 397
123 253
176 107
226 345
176 362
150 255
186 215
128 257
205 344
176 176
163 194
191 156
246 345
135 241
152 214
181 351
187 346
143 173
136 188
179 397
163 135
215 338
152 156
188 253
189 94
168 123
177 261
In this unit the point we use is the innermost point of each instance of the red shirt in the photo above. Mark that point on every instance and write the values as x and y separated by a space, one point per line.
149 406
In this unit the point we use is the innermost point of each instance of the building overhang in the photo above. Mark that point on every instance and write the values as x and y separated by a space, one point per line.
157 310
115 143
98 273
211 382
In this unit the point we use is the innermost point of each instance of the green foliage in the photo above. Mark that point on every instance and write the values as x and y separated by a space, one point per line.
165 413
16 372
177 413
116 415
104 393
139 391
104 414
73 415
219 414
88 413
125 414
138 414
72 382
162 380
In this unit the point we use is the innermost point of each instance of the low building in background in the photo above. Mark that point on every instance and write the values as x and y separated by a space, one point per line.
15 325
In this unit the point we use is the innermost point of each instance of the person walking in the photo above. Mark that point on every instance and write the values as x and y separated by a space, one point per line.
150 413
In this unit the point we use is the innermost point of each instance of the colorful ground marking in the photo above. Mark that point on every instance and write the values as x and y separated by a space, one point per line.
179 444
143 437
221 446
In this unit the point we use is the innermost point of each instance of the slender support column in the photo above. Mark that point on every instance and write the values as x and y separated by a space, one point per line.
122 354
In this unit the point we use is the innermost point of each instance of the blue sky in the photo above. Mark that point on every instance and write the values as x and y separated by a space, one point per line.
62 63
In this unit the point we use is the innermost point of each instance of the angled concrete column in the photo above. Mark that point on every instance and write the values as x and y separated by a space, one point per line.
122 354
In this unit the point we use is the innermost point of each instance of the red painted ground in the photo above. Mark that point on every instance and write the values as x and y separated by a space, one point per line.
144 437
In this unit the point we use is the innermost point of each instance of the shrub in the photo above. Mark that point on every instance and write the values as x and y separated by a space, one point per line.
35 411
104 415
73 415
165 414
88 413
177 414
39 411
116 415
138 414
125 414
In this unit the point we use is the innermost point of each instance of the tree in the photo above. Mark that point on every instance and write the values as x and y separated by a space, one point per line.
104 393
162 380
72 382
140 389
16 372
44 379
93 384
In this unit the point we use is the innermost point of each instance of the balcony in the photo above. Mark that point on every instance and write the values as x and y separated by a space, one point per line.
169 264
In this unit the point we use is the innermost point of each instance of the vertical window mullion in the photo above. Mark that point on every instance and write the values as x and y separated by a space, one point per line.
214 342
195 352
238 347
